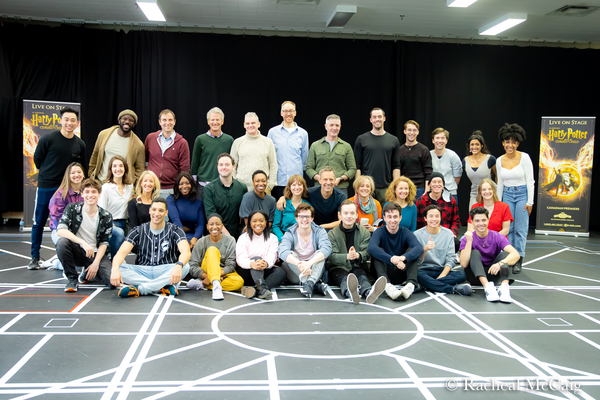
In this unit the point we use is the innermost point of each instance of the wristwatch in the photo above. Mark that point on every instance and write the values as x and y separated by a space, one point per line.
179 263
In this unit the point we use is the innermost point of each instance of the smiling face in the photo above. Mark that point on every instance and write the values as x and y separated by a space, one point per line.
402 190
90 196
304 219
117 168
510 146
487 192
392 220
126 123
475 146
327 181
258 223
377 119
333 127
436 185
297 188
411 133
215 122
158 211
480 222
215 227
185 186
251 125
365 190
225 167
348 215
76 175
433 219
167 123
260 183
148 184
69 123
440 141
288 112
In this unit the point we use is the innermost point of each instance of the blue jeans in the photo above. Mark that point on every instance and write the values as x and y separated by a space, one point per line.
428 279
420 192
116 240
40 216
516 198
150 278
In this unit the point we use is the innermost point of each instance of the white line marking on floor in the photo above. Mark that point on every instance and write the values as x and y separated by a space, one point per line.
15 254
86 301
12 322
578 336
415 378
11 372
272 375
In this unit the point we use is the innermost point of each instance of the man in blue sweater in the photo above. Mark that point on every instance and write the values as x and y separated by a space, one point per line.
389 247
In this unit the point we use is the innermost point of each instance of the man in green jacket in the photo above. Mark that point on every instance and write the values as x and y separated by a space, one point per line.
347 263
333 152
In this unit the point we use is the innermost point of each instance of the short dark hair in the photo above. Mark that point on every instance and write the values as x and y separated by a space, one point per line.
226 155
193 191
431 207
69 110
304 207
91 183
392 206
259 171
266 232
159 200
479 210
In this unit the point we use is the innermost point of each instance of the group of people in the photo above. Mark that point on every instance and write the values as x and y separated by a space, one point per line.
240 215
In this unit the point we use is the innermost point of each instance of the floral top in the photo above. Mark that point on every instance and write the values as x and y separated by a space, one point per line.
72 217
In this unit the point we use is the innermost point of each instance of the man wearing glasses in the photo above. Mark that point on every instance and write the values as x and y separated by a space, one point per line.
291 147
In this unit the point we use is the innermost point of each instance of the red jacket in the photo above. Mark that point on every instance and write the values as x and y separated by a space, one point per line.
176 159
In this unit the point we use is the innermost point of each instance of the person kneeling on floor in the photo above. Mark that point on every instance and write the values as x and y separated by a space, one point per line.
304 248
162 258
83 232
213 261
395 251
438 269
347 263
486 256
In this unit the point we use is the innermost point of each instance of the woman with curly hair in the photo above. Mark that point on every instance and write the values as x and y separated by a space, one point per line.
516 186
403 192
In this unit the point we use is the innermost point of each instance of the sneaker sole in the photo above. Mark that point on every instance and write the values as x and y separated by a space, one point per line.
70 290
248 292
377 289
353 288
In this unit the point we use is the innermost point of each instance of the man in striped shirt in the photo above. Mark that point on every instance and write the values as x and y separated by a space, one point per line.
162 258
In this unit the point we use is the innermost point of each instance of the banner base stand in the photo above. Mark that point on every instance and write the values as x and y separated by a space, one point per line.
559 233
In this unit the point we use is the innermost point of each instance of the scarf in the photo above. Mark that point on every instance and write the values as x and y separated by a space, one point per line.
370 208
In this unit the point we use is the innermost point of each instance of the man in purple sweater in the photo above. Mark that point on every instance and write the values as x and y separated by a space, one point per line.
389 247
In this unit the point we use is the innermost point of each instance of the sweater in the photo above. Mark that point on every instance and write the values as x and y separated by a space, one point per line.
169 164
416 163
226 247
442 254
339 251
205 155
136 158
247 248
52 156
449 165
290 239
384 245
253 153
187 213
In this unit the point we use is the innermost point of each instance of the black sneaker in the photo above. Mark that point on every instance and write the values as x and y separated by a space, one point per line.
463 289
71 285
34 263
321 288
262 290
308 288
518 265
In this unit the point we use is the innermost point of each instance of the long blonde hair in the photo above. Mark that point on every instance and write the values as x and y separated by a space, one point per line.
137 194
479 198
65 185
390 193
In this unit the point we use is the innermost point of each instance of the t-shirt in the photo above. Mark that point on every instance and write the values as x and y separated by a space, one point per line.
489 247
442 254
326 210
377 156
500 213
88 228
251 201
156 247
115 146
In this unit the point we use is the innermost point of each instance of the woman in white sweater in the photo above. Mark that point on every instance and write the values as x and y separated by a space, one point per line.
516 186
256 253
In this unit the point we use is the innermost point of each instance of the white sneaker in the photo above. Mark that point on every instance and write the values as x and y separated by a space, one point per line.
352 282
392 291
407 290
217 291
378 288
490 292
195 284
504 292
48 263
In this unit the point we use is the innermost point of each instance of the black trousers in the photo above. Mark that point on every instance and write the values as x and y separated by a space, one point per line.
476 268
339 277
397 276
71 254
273 276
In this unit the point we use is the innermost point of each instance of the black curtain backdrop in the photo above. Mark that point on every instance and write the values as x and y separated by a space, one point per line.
459 87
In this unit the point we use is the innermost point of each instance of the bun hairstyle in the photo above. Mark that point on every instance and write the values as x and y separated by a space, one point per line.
512 131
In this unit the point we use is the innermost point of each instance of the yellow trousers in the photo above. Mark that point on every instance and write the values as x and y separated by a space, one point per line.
212 265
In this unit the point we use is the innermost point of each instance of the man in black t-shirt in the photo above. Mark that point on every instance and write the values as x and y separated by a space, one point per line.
53 154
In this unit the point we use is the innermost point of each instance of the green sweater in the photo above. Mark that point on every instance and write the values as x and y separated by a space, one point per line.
205 155
341 159
339 251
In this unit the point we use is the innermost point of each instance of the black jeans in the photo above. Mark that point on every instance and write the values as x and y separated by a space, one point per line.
71 254
397 276
339 277
273 276
476 268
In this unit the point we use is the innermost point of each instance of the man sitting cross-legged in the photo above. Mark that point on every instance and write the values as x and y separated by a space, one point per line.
437 271
395 251
486 256
83 231
162 258
347 262
213 261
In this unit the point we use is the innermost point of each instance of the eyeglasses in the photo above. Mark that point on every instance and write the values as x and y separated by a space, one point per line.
288 111
301 217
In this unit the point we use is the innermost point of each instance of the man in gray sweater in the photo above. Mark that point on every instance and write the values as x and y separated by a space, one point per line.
437 265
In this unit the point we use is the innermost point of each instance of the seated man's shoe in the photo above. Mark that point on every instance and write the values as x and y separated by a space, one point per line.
262 290
195 284
407 290
378 288
82 277
71 285
321 288
308 288
248 292
504 293
169 290
464 289
34 263
392 291
518 266
353 288
129 291
490 292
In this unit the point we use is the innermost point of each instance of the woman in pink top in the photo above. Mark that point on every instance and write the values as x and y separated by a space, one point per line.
256 253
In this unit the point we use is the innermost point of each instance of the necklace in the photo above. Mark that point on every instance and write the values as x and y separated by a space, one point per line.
484 243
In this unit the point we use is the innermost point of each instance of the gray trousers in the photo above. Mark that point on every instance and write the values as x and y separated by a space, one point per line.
293 272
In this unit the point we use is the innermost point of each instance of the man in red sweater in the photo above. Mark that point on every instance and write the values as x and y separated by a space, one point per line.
167 153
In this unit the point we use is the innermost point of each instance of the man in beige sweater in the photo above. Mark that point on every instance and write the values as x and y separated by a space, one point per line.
253 152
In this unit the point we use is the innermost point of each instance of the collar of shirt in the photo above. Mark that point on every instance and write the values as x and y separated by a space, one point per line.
282 128
213 136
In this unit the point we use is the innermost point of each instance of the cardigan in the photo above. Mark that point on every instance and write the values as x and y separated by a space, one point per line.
136 158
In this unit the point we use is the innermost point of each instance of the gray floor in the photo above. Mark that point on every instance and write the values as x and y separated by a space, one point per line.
95 345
